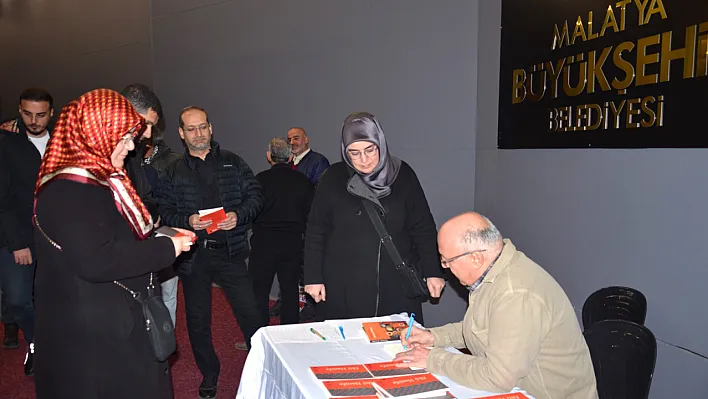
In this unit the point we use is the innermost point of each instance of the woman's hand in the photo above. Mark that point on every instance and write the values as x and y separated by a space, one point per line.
183 243
435 286
316 291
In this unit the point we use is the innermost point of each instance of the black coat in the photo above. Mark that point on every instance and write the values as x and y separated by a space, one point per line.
179 196
343 250
19 167
288 197
90 339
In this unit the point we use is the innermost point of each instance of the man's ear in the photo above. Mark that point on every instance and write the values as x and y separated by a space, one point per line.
51 112
268 157
290 158
477 259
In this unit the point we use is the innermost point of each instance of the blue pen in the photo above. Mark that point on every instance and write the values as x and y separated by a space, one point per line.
410 326
341 331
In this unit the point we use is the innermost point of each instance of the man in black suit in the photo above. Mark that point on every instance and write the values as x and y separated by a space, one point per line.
277 241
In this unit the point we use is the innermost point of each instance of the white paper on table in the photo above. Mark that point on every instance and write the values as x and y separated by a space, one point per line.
204 212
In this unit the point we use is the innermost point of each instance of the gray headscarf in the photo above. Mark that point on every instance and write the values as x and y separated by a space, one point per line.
362 126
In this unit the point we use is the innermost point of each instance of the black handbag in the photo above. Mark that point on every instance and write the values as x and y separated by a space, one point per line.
158 322
414 286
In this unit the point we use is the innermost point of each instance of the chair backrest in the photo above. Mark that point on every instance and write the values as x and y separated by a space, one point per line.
623 355
615 303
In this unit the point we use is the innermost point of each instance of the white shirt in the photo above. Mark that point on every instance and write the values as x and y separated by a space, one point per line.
298 158
40 142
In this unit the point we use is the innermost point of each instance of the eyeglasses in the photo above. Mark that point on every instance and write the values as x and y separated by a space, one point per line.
368 152
202 128
128 138
447 262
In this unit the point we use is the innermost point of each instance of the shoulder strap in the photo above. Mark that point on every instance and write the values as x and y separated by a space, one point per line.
383 234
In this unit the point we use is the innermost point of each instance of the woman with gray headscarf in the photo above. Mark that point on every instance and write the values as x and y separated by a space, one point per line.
347 269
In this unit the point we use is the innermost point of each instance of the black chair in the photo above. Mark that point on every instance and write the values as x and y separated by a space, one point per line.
614 303
623 355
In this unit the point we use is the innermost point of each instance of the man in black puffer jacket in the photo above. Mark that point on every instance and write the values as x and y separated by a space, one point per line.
208 177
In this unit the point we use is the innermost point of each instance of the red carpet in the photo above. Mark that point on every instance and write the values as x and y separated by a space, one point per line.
185 375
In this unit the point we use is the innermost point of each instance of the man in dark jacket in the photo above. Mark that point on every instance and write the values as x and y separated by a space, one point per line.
22 146
144 165
277 240
310 163
148 106
206 178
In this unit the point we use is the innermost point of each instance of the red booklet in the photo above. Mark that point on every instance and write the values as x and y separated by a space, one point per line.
401 387
350 388
216 215
347 372
388 369
382 331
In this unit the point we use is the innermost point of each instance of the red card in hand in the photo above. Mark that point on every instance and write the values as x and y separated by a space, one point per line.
216 216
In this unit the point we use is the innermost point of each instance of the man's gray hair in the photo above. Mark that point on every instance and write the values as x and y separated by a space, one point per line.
486 238
280 150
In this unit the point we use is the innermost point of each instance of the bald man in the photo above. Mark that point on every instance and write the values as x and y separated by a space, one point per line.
520 327
310 163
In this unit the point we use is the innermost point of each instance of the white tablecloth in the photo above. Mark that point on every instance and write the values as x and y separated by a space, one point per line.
277 368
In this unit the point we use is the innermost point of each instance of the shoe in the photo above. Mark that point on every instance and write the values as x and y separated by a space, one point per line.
275 309
29 361
10 341
207 391
242 346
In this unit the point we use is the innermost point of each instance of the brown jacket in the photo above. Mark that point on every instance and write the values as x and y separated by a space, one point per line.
522 332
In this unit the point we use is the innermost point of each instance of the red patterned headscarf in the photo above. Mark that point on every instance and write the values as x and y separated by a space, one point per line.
81 145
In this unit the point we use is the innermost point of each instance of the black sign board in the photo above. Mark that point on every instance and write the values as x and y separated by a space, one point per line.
601 74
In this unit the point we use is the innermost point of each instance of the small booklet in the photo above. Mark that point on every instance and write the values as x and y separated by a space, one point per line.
216 215
345 372
165 231
414 386
388 369
383 331
350 388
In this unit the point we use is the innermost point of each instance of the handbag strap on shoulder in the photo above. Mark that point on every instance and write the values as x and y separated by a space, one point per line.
385 237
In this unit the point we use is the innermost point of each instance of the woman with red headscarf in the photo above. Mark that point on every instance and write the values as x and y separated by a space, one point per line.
92 230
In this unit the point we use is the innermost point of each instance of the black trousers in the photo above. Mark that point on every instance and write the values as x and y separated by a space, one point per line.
278 253
232 275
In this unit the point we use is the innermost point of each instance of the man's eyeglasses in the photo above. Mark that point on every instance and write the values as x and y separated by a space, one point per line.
202 128
447 262
368 152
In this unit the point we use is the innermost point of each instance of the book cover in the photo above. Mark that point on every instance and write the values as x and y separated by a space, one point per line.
381 331
402 387
346 372
216 215
350 388
388 369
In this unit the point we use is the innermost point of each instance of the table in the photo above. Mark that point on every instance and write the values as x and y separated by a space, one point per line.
277 367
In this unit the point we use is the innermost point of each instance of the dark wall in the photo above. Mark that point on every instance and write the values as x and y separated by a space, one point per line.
261 67
595 218
70 47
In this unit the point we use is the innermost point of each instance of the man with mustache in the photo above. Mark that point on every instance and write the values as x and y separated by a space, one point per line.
22 145
209 177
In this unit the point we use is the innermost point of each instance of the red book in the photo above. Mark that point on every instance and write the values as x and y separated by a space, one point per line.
382 331
216 215
346 372
401 387
515 395
350 388
388 369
